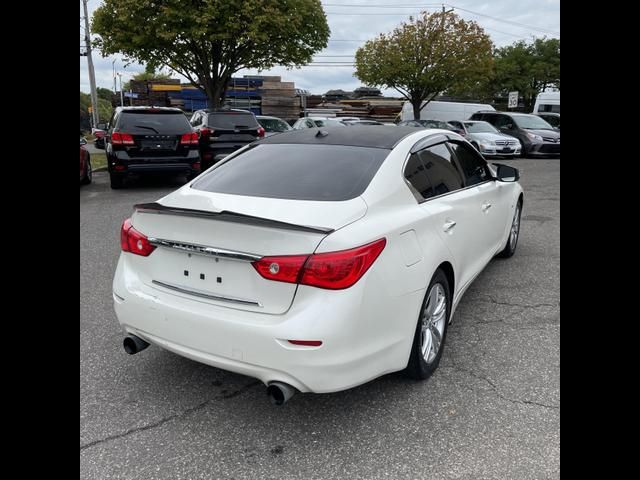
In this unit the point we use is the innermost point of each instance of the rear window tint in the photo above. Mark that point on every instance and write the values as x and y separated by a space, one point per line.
151 123
298 172
232 121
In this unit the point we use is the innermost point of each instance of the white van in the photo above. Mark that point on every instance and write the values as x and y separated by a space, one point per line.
547 102
444 111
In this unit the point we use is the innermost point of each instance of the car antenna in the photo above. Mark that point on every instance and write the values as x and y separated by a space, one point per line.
322 133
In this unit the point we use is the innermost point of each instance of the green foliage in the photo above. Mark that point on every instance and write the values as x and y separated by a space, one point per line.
528 68
104 93
148 75
104 109
427 56
208 41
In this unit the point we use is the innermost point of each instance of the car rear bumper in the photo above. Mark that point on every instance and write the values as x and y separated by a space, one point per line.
349 322
121 163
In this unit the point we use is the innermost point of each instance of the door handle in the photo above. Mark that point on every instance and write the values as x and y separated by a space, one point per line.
448 225
486 206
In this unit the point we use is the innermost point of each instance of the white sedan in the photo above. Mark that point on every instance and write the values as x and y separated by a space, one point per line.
316 122
317 260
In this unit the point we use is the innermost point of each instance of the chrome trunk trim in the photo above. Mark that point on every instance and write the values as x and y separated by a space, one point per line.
205 250
209 296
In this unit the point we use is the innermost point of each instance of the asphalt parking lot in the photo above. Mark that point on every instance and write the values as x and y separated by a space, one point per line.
491 410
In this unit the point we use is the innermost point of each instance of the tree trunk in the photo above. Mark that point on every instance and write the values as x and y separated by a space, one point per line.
416 103
216 90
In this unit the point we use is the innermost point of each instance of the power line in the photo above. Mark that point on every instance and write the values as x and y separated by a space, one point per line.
359 14
416 5
505 21
542 29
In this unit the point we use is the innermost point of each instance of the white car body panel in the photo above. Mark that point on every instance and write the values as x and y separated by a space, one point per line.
367 329
445 111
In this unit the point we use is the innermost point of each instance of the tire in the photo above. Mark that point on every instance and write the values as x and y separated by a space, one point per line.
88 173
514 234
116 181
435 311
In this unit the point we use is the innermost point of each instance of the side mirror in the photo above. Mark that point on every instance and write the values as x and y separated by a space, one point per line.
505 173
83 141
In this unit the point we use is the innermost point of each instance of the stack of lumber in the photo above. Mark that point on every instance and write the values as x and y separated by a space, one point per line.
153 92
279 99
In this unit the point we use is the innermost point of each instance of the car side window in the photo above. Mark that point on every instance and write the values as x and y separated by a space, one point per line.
309 124
456 124
441 169
502 121
474 167
195 120
415 174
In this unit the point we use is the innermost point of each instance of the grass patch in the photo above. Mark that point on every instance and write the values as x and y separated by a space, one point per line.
98 160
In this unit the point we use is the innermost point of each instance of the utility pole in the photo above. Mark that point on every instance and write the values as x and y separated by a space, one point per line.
92 75
443 12
121 94
113 70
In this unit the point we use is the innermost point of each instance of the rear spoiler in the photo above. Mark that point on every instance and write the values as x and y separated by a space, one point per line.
227 216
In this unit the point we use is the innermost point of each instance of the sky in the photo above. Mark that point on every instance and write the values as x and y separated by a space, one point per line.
352 22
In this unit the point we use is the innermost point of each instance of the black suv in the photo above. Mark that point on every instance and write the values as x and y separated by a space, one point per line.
537 137
142 140
222 131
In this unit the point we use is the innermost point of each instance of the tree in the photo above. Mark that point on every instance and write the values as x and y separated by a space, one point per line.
148 75
104 109
207 41
425 57
104 93
528 68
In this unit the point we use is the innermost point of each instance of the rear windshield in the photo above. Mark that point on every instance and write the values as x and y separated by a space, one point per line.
150 123
232 121
298 172
274 125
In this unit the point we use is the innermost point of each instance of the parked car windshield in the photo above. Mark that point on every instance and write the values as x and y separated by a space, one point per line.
274 125
480 127
531 121
327 122
150 123
232 120
298 172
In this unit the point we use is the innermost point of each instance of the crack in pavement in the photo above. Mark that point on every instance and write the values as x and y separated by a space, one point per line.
497 391
537 305
164 420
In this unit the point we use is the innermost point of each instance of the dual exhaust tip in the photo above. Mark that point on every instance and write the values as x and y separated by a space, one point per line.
279 393
133 344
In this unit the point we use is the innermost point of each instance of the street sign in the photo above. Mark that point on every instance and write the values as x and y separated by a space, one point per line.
130 95
513 99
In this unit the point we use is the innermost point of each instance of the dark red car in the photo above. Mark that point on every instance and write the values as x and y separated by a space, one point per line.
85 163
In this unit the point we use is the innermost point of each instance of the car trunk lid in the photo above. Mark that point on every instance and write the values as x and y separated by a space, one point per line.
207 241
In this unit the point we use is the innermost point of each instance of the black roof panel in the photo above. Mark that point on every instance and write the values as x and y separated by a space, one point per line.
376 136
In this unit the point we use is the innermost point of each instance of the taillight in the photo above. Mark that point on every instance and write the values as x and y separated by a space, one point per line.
337 270
261 132
189 139
206 132
118 138
281 269
133 241
333 270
